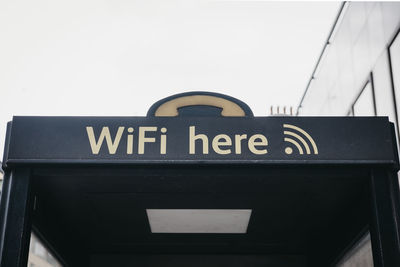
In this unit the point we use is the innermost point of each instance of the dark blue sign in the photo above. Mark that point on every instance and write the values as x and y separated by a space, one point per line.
200 139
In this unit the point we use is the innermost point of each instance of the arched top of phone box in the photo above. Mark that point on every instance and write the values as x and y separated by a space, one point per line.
200 104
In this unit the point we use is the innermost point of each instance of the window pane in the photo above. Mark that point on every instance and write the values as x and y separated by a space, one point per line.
358 256
39 256
383 88
395 60
364 105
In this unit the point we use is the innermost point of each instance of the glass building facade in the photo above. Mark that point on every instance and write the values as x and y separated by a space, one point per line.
358 74
362 53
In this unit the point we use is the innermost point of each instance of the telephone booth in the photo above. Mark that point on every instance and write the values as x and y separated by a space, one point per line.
200 181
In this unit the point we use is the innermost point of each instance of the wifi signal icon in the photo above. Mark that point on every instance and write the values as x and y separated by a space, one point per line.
295 135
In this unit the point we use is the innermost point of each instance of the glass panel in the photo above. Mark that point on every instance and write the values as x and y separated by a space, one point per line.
384 98
364 106
39 256
360 255
350 113
1 180
395 61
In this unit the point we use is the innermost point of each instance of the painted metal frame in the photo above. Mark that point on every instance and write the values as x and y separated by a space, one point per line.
375 149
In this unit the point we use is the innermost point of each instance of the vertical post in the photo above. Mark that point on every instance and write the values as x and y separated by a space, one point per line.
385 218
15 218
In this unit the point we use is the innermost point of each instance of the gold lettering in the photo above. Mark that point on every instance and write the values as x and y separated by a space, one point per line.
238 143
253 143
192 141
129 141
143 139
216 143
163 142
105 133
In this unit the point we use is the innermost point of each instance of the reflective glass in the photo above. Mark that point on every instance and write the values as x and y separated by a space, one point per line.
364 106
359 255
383 88
395 61
361 57
376 32
391 18
39 256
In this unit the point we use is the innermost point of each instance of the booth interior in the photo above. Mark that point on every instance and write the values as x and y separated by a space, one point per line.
300 216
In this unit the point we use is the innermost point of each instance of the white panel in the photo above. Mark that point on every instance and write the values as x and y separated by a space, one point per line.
391 18
383 88
361 58
198 220
359 255
357 16
395 60
376 32
364 105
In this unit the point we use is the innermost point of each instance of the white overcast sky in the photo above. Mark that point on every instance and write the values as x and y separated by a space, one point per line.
117 57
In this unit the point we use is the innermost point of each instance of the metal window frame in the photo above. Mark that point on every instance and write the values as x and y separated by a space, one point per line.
370 80
327 42
391 73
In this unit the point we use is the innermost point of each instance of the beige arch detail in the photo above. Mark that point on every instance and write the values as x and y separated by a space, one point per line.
301 140
290 140
314 145
170 108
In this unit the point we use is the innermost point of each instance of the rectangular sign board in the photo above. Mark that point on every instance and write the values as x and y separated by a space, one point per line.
127 140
